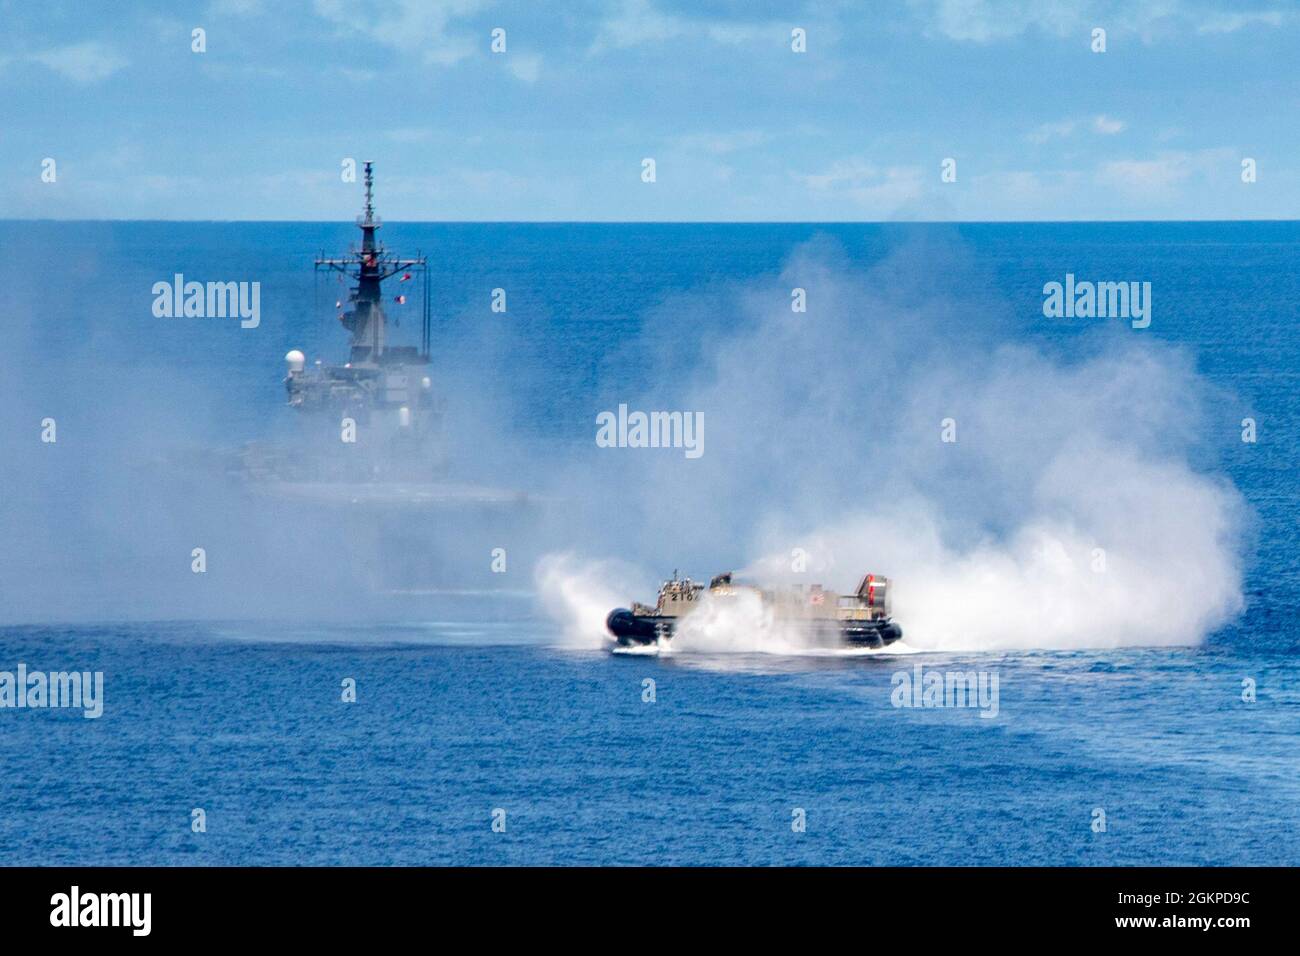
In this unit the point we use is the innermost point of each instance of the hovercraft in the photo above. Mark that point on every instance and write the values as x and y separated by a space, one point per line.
860 619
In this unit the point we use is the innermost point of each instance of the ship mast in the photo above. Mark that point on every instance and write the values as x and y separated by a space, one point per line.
368 268
370 194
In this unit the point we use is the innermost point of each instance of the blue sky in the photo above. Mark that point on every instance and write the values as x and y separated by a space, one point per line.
740 127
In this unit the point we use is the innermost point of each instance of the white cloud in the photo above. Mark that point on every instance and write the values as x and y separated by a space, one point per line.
1032 194
1106 125
986 21
235 8
412 26
1232 22
982 21
638 22
1049 131
1145 176
1101 124
1162 177
354 75
880 189
525 66
720 144
87 62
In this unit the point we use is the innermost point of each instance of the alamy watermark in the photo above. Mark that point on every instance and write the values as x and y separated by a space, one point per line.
211 300
651 430
75 908
1101 300
77 689
930 688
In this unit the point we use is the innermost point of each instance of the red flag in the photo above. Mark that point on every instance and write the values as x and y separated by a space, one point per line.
405 276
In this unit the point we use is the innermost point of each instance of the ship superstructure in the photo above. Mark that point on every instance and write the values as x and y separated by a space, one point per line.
382 400
367 468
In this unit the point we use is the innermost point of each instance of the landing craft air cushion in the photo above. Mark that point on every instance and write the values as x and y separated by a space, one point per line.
860 619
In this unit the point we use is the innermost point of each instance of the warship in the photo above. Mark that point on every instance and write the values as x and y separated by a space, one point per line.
860 619
370 454
377 414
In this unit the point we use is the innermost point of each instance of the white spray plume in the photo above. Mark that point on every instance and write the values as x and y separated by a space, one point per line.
1068 513
580 594
1143 561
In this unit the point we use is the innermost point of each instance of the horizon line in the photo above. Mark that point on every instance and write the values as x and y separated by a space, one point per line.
668 222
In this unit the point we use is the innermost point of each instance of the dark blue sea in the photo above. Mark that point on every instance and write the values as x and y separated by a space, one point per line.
223 692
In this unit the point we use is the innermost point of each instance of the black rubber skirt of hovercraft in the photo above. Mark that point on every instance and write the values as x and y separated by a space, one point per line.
640 629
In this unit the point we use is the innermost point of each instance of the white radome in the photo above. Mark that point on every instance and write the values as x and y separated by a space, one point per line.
296 360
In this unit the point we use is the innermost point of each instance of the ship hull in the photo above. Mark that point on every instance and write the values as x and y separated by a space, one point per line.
635 630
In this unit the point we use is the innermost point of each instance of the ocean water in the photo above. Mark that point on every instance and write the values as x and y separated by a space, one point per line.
471 705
